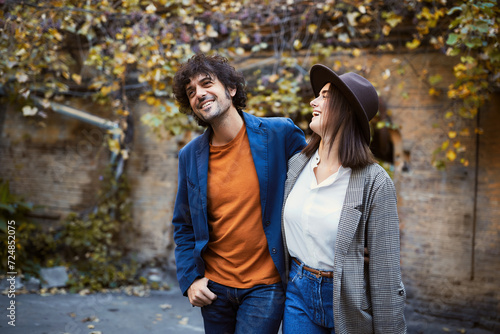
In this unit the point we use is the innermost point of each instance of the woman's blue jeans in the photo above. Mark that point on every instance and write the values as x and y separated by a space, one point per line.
309 302
256 310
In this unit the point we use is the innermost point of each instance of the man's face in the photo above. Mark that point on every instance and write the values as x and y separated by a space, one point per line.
208 97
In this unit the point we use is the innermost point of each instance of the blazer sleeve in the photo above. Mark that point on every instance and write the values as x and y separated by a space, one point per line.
386 288
295 139
183 232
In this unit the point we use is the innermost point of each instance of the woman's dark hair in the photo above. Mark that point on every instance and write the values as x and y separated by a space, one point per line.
212 66
340 121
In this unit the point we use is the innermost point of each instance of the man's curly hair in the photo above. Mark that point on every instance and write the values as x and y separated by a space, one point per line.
213 66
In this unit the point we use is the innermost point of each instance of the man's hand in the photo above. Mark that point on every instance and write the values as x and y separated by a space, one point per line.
199 294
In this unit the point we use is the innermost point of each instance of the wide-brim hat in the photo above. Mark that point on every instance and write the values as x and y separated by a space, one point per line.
359 92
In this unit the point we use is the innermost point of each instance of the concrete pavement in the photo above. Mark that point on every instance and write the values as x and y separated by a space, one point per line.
157 312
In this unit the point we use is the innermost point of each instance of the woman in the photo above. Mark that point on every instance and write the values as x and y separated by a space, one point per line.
338 202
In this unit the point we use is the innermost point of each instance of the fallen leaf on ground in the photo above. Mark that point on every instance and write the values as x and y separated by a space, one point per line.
165 306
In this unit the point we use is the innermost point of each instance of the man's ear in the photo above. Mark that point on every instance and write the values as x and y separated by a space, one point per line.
232 91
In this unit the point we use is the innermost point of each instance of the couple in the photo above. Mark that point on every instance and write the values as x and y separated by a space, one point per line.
259 211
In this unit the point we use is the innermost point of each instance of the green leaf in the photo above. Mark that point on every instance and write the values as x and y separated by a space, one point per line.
433 80
452 39
8 207
474 43
454 9
3 225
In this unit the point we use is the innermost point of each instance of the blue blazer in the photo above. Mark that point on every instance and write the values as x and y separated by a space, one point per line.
272 142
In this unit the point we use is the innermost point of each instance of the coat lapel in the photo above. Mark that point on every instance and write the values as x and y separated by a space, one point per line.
202 155
258 139
350 215
295 166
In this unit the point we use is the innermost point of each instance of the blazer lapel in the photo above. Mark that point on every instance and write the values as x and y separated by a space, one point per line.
258 139
202 156
295 166
350 215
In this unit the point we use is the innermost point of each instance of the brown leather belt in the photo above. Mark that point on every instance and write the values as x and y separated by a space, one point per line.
318 273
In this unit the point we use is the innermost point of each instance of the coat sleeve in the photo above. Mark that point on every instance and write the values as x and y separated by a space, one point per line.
386 287
183 232
295 140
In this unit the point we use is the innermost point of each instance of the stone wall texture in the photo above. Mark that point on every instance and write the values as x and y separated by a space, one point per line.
450 219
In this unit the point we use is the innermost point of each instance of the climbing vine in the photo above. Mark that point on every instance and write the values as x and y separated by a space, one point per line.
91 246
114 51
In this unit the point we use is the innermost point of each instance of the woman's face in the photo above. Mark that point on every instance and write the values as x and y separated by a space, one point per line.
319 110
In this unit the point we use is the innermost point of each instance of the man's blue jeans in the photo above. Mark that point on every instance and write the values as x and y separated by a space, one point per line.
256 310
309 302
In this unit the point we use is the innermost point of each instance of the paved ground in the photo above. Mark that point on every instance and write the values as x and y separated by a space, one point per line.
162 312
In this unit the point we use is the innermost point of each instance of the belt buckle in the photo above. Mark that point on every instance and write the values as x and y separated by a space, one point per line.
319 274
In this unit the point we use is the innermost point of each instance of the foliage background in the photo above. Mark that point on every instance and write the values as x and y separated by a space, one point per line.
114 51
118 52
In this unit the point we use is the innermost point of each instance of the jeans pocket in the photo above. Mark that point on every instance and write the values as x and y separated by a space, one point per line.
295 277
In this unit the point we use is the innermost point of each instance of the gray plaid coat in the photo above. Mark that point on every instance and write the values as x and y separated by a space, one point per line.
367 298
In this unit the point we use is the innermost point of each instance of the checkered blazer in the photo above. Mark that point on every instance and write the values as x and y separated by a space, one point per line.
367 298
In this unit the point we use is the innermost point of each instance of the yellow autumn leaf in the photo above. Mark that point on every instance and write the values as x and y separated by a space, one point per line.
122 112
297 44
465 132
151 9
205 46
386 30
445 145
211 32
312 28
457 145
451 155
29 111
356 52
273 78
131 58
105 90
452 134
452 93
448 115
56 34
434 92
21 77
244 39
459 67
413 44
151 100
76 78
119 70
114 145
337 65
386 74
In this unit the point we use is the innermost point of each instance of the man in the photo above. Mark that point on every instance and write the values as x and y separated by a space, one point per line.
227 215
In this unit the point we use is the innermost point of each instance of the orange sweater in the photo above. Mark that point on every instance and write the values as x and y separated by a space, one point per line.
237 253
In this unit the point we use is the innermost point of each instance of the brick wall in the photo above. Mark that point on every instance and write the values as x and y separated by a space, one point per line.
152 171
55 164
450 253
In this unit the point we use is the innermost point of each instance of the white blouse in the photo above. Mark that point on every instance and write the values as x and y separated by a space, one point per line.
312 214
